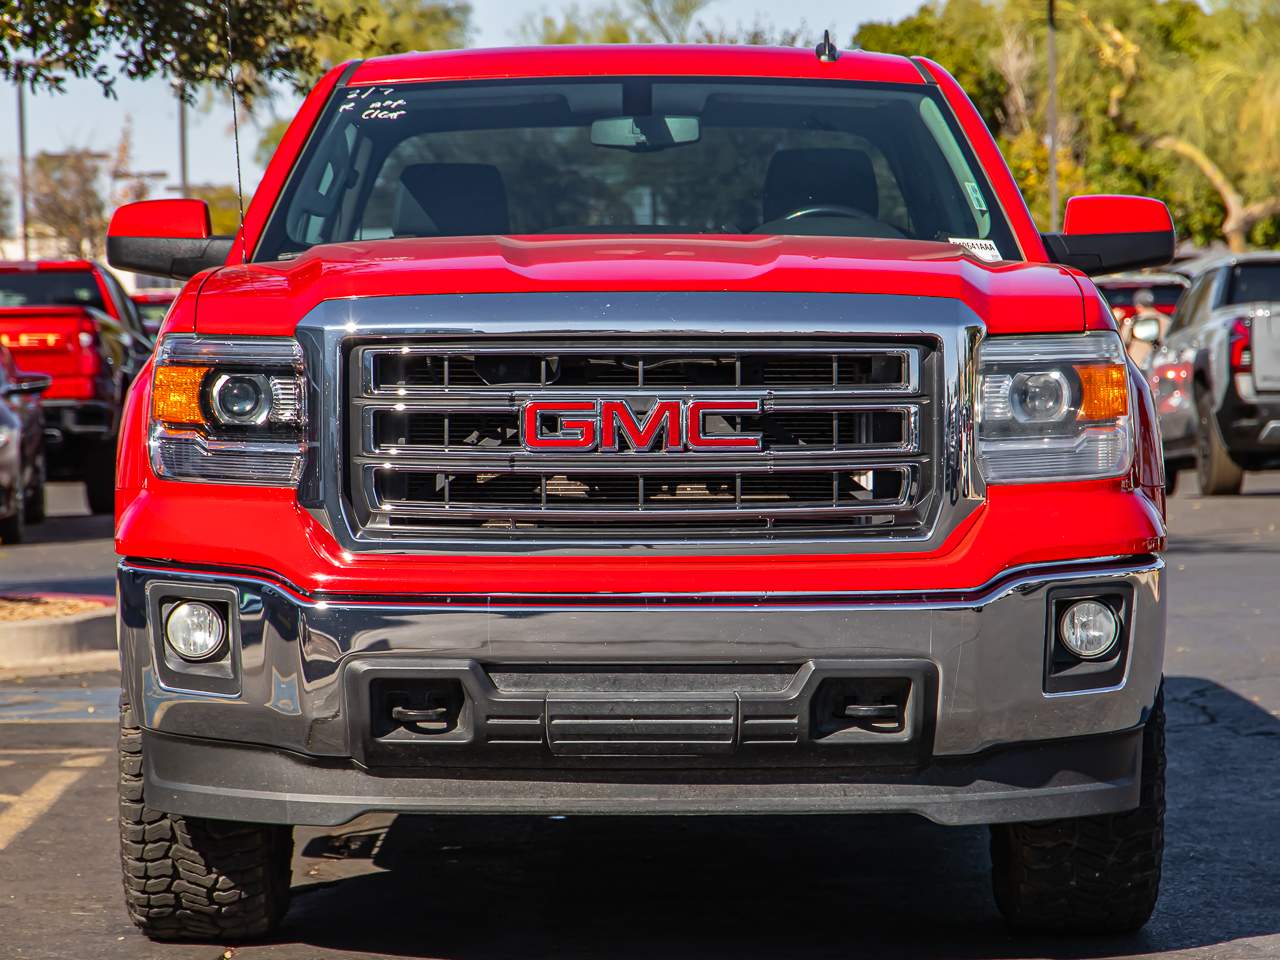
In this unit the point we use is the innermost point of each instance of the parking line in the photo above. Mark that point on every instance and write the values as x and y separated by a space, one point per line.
28 751
25 808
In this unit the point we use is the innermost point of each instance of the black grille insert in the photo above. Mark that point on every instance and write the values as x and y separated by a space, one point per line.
847 432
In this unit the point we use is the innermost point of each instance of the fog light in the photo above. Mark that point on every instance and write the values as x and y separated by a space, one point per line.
194 630
1089 629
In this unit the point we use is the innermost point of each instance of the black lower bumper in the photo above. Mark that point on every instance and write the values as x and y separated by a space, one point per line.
70 426
1083 777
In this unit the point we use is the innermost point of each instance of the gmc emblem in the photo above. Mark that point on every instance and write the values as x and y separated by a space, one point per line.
604 425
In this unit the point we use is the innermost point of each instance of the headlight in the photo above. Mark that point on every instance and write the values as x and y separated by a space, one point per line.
1054 408
228 411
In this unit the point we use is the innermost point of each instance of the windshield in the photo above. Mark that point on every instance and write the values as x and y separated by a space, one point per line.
637 155
1254 283
1165 294
50 288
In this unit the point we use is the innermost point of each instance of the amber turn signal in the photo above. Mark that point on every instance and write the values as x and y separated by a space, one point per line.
175 394
1104 393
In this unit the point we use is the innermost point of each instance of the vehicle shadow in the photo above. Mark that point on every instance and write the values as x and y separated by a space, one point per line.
478 888
70 529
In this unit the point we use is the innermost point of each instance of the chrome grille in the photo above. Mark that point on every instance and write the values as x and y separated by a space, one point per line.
848 426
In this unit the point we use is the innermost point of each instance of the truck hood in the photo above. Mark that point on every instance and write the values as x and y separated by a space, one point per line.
270 298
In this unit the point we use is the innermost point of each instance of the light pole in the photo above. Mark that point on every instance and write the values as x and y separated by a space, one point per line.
183 185
22 170
1052 111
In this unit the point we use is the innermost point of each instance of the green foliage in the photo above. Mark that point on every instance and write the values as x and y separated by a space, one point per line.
224 206
68 200
959 35
42 42
1171 98
389 26
651 21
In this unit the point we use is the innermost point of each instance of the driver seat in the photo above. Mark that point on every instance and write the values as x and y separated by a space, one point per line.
820 176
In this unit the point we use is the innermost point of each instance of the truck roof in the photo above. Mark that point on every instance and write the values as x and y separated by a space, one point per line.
26 266
683 60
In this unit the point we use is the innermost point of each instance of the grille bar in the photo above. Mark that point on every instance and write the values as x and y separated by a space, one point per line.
491 431
423 371
594 495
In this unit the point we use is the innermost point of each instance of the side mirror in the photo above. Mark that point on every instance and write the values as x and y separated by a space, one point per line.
165 238
1107 234
1147 329
28 383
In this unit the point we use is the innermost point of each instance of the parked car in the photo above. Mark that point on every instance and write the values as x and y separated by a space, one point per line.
152 306
654 430
22 459
1123 289
1216 374
1142 303
72 320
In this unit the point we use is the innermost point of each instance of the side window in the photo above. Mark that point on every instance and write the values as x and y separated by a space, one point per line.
1190 306
125 307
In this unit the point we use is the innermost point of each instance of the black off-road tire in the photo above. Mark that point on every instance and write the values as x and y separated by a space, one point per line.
100 477
1087 875
1217 473
188 878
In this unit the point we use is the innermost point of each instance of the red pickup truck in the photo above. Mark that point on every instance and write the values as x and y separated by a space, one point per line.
72 320
645 430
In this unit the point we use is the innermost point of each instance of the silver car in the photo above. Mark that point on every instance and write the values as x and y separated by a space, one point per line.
1216 373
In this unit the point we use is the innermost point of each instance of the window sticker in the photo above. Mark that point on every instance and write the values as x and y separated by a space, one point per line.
984 250
975 196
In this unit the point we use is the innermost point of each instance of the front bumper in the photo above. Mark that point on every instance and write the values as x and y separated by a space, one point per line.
653 705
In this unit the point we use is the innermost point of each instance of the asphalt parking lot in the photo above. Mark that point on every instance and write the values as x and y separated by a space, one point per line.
745 888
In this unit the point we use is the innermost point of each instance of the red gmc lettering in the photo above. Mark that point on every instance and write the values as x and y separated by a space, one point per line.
695 425
571 433
616 416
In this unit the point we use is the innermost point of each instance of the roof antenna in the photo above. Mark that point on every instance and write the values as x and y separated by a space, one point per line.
826 50
235 127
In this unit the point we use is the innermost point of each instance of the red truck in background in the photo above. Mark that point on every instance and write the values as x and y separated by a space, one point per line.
72 320
644 430
152 306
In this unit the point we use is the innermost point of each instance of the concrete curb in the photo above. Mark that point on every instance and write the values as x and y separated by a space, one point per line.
28 643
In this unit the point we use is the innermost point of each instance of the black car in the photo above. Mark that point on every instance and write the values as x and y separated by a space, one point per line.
22 461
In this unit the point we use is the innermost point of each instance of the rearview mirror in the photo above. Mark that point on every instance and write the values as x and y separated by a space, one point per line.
645 133
1107 234
165 238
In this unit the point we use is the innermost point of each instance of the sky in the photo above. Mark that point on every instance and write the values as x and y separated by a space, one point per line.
83 117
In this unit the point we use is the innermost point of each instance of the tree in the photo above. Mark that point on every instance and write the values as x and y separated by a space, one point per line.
651 21
390 26
1169 98
67 199
1220 114
42 42
73 192
224 206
